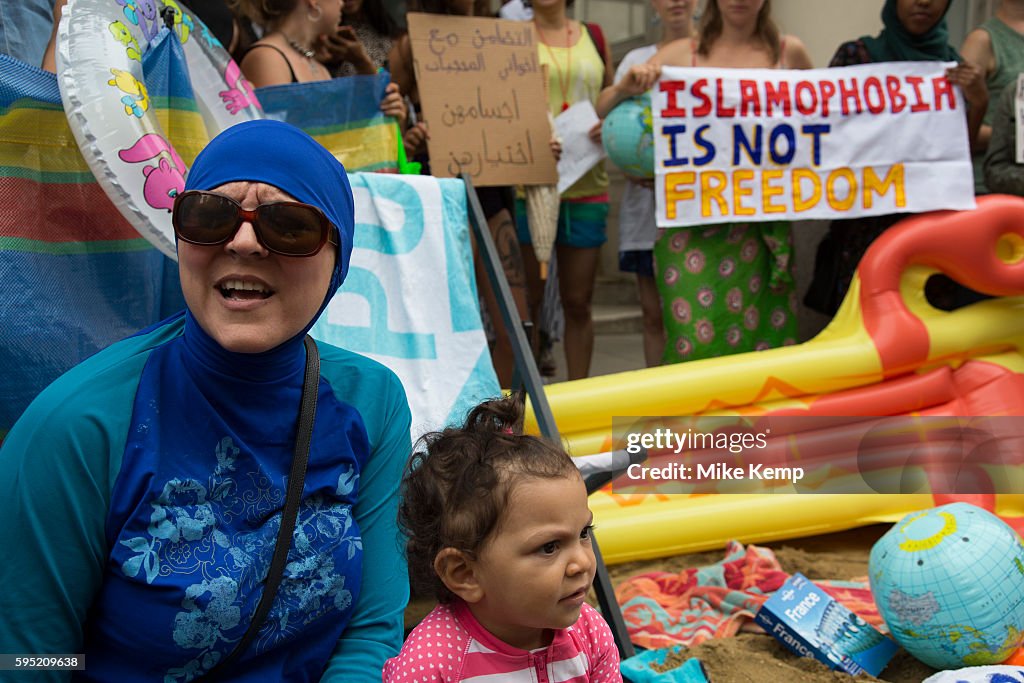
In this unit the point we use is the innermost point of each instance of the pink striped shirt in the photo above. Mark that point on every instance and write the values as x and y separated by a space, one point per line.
450 645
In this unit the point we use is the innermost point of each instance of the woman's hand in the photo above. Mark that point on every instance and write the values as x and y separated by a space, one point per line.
971 80
555 144
415 139
344 46
639 79
595 132
393 104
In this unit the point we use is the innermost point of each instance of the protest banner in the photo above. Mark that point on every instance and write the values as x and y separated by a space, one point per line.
482 91
767 145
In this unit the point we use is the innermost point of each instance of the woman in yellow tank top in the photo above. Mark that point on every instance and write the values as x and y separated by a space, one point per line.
576 71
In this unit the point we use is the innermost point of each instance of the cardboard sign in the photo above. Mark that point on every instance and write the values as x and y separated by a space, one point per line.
482 92
766 145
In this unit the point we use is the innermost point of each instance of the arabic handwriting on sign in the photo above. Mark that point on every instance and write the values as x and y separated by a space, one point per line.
438 43
464 164
519 65
458 114
510 155
452 65
518 37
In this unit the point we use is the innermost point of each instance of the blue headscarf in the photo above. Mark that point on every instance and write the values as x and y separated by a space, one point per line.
281 155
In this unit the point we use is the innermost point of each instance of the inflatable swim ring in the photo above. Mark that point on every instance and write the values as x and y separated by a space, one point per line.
121 128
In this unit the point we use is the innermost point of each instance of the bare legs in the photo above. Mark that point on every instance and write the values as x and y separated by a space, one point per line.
577 269
654 330
503 233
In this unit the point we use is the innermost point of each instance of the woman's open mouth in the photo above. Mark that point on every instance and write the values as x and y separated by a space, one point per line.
243 290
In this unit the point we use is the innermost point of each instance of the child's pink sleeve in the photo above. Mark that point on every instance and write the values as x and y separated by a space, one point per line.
431 654
604 655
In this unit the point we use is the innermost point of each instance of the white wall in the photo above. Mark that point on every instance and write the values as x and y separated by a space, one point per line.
823 25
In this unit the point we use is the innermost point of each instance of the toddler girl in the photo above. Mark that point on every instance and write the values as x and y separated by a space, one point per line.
499 530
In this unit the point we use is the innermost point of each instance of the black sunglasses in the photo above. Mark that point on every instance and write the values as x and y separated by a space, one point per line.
285 228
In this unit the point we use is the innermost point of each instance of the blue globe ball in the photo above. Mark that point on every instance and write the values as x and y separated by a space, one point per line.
949 583
628 138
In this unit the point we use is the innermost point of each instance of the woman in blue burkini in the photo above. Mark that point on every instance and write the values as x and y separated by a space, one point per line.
142 492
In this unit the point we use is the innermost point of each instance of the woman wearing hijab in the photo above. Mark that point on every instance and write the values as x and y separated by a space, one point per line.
143 492
914 31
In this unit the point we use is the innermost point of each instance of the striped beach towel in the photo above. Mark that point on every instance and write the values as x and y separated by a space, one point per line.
664 609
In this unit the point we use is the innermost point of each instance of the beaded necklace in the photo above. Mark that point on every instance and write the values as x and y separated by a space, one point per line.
308 53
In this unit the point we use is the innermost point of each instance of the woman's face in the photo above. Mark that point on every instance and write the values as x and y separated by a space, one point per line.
352 7
548 4
330 13
919 16
674 13
739 12
248 299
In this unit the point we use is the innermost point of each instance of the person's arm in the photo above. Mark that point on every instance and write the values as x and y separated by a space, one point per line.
375 631
977 49
796 56
400 61
344 46
637 80
50 57
972 81
57 467
393 104
1002 172
604 654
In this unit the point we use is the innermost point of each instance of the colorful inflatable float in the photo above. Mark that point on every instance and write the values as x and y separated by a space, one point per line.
145 86
888 352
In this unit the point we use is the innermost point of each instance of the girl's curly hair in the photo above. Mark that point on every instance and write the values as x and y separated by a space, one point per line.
458 482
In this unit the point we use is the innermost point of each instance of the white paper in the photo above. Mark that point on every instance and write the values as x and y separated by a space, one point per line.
579 152
1018 107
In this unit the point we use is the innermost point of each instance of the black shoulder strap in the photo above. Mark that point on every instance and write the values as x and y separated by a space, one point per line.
280 52
296 481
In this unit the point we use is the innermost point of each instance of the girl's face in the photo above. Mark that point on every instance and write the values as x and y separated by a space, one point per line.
674 13
536 568
919 16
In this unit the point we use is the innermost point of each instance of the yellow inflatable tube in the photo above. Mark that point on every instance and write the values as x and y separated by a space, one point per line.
885 338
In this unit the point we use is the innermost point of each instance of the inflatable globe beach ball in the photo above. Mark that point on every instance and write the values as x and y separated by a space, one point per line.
949 583
627 136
